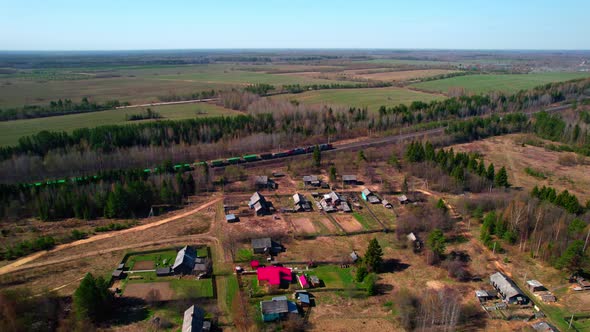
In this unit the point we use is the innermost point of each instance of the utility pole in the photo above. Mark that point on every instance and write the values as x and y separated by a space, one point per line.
571 320
494 250
586 243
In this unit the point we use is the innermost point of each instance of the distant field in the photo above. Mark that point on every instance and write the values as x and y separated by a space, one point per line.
371 98
410 62
505 83
11 131
135 84
402 75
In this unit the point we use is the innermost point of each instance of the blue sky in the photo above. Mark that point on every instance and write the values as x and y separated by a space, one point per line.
193 24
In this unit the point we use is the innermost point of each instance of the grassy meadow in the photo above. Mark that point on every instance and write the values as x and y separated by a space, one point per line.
370 98
505 82
11 131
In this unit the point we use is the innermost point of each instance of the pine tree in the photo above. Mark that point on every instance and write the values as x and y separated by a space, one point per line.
491 173
317 156
501 179
436 242
374 256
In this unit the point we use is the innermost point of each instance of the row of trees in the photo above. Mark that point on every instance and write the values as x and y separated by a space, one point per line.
57 108
298 88
575 131
26 247
565 200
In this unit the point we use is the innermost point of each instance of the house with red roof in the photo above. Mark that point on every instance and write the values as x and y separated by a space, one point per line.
274 276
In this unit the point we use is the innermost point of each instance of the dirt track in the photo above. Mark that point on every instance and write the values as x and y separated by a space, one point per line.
19 264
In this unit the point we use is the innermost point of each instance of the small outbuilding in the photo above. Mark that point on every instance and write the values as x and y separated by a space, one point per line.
231 218
311 180
163 271
386 204
370 197
314 281
263 182
118 274
302 280
349 179
535 286
354 256
403 199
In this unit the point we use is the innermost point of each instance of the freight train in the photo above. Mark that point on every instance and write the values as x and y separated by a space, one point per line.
213 163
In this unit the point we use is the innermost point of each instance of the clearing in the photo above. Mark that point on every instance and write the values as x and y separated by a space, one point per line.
372 98
506 82
509 151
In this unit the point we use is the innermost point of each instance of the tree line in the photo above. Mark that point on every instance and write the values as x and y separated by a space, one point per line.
565 200
57 108
114 194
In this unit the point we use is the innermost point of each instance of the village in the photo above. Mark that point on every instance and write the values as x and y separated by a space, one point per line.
282 281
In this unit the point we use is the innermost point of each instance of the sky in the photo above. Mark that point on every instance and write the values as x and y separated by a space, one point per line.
389 24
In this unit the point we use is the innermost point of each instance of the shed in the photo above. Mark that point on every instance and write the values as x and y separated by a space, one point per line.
303 281
118 274
349 179
403 199
263 182
304 299
411 237
262 245
311 180
121 266
483 295
535 286
544 327
386 204
345 207
231 218
163 271
314 281
254 264
272 310
354 256
258 203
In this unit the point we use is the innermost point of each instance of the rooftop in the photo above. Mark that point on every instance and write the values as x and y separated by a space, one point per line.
348 177
264 242
274 274
534 283
193 319
274 306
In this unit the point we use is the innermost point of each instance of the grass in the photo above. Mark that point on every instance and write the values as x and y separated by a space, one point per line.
11 131
231 289
505 82
363 220
370 98
185 289
335 276
160 259
535 173
244 255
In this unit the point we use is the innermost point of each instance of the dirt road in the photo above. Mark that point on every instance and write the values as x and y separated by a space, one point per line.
18 264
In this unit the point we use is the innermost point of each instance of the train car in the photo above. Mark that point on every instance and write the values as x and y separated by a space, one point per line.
234 160
200 164
217 163
266 156
280 154
299 151
250 157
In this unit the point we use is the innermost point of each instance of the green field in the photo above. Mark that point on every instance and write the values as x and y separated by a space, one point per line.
410 62
11 131
370 98
160 259
505 83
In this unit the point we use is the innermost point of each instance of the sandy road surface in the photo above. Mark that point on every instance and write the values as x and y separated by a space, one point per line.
17 265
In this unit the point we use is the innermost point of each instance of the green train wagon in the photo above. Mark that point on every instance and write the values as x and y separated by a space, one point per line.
250 157
218 162
234 160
